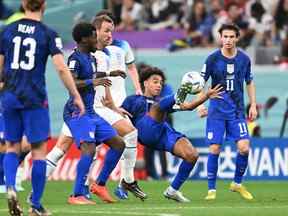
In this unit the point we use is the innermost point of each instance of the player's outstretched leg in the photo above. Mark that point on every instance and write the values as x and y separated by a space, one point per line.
98 188
184 149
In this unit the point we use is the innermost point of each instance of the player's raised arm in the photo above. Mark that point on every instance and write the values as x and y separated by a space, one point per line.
210 93
68 81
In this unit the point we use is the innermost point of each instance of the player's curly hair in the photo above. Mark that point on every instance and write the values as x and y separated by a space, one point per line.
146 71
81 30
33 5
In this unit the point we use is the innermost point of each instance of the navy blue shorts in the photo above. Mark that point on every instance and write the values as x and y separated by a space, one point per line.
157 135
235 130
90 128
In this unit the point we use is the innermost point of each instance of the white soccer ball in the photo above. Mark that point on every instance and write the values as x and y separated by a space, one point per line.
194 81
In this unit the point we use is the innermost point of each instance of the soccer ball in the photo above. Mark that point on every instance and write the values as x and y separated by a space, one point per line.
193 81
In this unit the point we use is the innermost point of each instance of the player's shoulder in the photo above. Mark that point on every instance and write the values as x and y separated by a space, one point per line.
242 54
213 55
121 44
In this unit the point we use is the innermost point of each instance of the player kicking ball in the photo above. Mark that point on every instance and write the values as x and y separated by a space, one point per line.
149 115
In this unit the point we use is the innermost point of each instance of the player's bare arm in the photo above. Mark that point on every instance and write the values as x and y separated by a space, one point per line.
133 73
252 99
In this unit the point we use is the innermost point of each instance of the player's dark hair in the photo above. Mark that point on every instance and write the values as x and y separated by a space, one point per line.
107 13
97 22
149 71
33 5
81 30
230 26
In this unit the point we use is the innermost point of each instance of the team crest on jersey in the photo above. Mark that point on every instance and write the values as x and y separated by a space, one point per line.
210 135
92 134
230 68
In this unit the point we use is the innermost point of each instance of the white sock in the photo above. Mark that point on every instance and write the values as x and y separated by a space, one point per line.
19 176
52 159
171 190
129 157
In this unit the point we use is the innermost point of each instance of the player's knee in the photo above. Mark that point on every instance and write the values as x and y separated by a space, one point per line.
37 145
116 143
215 149
191 156
244 150
64 143
88 148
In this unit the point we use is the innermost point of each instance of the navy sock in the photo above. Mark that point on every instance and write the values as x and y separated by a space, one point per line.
241 165
2 182
10 164
38 180
111 160
167 103
212 168
182 175
82 171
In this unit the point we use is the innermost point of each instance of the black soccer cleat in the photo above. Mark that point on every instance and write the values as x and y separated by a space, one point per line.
134 189
13 203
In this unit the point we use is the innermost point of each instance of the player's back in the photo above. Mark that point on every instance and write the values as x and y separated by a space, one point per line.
83 67
231 74
26 45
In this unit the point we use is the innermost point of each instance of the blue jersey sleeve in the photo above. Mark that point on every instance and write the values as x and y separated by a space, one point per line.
206 69
166 90
74 66
248 74
55 43
128 104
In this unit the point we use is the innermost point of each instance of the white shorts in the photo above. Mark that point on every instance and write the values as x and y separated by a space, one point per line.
108 115
65 130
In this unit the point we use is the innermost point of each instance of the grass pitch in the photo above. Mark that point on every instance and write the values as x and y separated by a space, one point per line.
271 198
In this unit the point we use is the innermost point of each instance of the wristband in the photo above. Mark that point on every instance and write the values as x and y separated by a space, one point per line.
89 82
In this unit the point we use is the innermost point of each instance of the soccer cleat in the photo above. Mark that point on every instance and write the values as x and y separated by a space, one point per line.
3 189
182 93
80 200
176 196
121 193
211 195
102 193
241 190
39 211
13 204
134 189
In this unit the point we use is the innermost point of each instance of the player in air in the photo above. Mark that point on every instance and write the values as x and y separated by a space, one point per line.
229 67
90 129
149 117
24 48
112 61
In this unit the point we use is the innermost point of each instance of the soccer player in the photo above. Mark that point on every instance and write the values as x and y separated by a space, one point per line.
24 49
112 60
149 117
90 129
229 67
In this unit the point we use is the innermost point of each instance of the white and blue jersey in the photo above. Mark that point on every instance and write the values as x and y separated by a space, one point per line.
227 114
89 127
153 134
26 45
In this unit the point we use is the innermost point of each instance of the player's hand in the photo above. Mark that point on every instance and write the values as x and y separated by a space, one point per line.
215 92
202 111
139 92
253 112
102 82
79 103
118 73
123 112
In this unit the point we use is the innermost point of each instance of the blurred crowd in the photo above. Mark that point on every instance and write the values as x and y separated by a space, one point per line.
262 22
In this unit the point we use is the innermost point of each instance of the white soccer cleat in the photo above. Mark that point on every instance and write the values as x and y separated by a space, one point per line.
176 196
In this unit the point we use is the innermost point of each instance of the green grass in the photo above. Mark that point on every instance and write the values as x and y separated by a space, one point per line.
271 198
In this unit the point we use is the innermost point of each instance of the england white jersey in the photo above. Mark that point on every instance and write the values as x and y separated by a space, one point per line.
114 57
